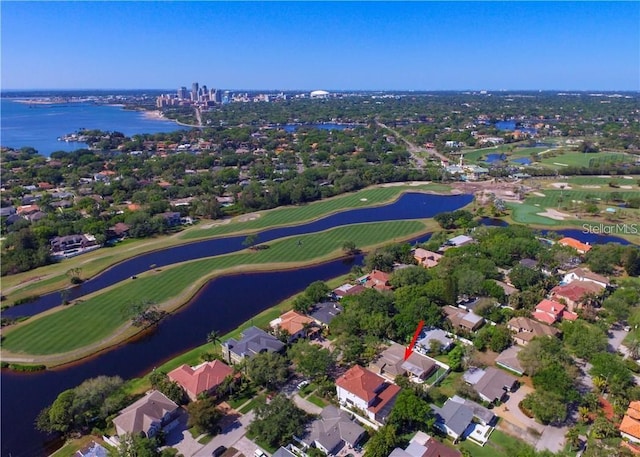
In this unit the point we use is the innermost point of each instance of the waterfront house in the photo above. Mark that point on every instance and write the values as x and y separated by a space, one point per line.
332 430
348 289
427 259
367 395
526 329
460 240
378 280
171 218
295 324
253 341
422 445
582 248
324 313
146 416
204 378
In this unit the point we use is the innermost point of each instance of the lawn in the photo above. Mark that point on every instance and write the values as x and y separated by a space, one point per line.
317 400
291 215
99 316
579 159
499 445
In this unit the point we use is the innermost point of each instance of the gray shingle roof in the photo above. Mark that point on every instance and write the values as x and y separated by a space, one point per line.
254 341
455 416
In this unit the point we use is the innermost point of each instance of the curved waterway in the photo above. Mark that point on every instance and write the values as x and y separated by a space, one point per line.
408 206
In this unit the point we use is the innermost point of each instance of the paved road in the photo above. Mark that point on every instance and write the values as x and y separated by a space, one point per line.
228 437
414 149
615 341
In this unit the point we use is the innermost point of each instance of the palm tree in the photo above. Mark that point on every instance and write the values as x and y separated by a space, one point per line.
600 384
573 436
633 346
213 337
583 413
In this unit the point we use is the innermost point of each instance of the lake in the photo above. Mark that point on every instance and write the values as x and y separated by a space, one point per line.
40 125
408 206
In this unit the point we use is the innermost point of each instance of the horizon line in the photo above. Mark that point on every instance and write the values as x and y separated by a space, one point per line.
3 90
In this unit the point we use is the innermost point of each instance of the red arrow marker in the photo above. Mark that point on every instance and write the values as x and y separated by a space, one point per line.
409 349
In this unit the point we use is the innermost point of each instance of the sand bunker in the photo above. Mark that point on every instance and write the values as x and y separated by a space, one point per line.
554 214
248 217
591 187
626 187
215 224
561 185
539 194
363 199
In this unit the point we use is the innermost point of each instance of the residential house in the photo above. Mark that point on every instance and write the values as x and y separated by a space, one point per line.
377 279
253 341
434 334
549 312
366 394
427 259
348 289
460 240
171 218
92 450
295 324
284 452
460 418
585 275
509 359
146 416
508 290
630 425
422 445
67 246
574 293
120 230
7 211
582 248
332 430
491 384
392 363
527 329
324 313
462 319
529 263
205 377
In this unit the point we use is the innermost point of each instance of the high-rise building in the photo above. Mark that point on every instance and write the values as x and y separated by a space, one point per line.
182 93
216 95
195 92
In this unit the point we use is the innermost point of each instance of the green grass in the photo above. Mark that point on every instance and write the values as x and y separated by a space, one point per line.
249 406
205 439
317 400
98 317
499 445
291 215
579 159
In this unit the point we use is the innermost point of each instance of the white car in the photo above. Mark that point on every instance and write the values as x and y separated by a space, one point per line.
303 384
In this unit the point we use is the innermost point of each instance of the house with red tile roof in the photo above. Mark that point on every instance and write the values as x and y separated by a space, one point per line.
378 280
205 377
527 329
369 396
348 289
295 324
630 425
574 293
582 248
549 312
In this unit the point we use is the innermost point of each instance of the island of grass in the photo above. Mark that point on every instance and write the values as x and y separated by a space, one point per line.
100 320
53 277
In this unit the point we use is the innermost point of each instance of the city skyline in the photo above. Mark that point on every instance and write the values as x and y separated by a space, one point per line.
421 46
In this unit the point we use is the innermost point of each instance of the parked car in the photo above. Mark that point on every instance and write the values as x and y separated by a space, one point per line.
219 451
303 384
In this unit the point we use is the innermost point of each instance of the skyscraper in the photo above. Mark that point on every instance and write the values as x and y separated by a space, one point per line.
182 93
194 91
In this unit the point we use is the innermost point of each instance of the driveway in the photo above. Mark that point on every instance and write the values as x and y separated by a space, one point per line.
552 439
228 437
510 411
306 405
615 341
180 438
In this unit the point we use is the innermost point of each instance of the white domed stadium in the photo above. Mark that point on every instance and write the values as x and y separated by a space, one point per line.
319 94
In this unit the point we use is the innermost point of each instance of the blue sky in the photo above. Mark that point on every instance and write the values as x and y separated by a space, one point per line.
321 45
